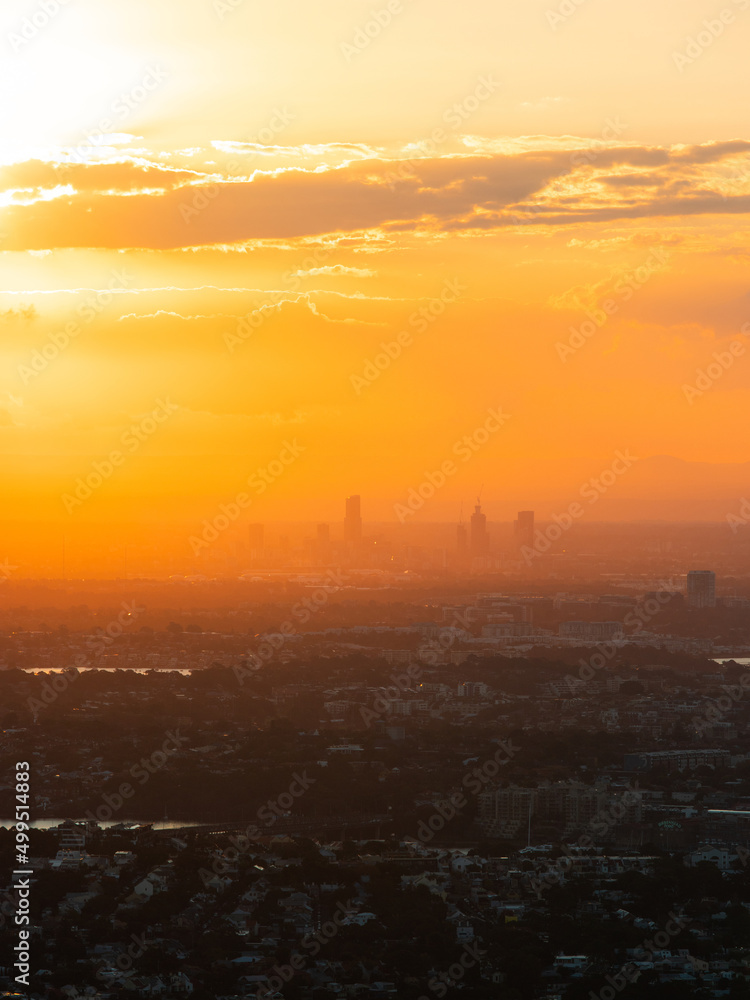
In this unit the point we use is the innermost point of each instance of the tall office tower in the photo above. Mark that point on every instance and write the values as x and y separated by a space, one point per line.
523 529
352 522
701 588
480 540
255 538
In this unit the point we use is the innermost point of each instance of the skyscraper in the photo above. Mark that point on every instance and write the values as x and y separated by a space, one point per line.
352 522
523 529
480 540
701 588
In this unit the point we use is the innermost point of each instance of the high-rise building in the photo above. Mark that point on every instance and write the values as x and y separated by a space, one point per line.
480 540
353 521
568 805
592 631
701 588
523 529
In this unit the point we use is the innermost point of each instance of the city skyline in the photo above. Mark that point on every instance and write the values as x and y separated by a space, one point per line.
228 275
375 504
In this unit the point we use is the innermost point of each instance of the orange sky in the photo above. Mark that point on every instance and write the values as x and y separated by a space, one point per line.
227 208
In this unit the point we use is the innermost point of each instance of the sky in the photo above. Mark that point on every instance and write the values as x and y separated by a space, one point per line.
336 240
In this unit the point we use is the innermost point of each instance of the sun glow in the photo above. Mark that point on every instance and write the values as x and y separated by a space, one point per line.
254 210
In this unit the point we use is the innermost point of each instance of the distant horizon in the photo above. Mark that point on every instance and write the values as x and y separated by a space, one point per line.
373 421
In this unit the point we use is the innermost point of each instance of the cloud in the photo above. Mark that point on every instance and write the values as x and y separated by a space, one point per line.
335 270
632 180
268 303
544 103
122 176
712 151
304 151
174 315
22 314
291 204
428 195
